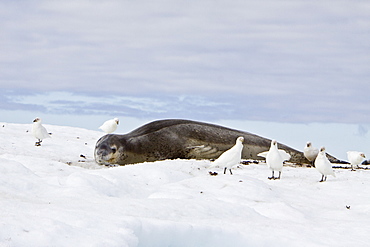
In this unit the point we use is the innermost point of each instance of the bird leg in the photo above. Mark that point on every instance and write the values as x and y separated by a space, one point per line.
313 163
272 177
279 175
229 170
38 143
322 178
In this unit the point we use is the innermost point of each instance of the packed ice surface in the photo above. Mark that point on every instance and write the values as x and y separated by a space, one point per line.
55 195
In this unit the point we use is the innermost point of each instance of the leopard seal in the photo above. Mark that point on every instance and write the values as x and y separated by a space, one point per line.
181 139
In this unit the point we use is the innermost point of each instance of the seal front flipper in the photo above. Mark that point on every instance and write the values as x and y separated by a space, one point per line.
203 152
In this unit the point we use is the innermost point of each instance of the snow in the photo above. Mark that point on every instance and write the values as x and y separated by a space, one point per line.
49 197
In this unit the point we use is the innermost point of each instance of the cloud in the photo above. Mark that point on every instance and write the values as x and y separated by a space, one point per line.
206 108
267 60
141 107
8 102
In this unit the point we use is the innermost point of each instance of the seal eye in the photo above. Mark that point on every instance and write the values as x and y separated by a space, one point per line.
114 150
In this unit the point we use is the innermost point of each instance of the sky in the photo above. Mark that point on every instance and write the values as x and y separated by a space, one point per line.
79 62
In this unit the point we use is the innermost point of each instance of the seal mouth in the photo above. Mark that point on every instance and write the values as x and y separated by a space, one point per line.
105 158
101 162
105 162
106 155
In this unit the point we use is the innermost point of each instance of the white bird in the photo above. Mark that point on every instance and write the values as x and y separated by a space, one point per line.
355 158
323 165
109 126
310 152
39 131
275 158
230 157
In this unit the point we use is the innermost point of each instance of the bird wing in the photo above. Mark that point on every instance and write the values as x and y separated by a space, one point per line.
104 125
227 155
228 158
45 132
263 154
40 132
329 168
284 154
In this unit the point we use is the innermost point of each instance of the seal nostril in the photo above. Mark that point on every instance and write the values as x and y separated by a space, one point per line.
114 150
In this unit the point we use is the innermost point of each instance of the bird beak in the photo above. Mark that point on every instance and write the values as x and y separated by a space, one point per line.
35 120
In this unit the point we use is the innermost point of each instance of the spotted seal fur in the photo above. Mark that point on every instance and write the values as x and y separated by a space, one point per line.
181 139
